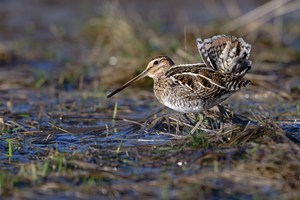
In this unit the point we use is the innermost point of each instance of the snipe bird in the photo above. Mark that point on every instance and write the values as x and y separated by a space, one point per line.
193 88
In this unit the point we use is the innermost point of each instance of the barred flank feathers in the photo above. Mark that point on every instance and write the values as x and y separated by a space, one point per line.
238 84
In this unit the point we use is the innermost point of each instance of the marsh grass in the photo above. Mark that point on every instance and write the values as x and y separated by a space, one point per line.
10 151
113 122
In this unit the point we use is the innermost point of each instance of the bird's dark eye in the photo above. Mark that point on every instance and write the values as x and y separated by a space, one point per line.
155 62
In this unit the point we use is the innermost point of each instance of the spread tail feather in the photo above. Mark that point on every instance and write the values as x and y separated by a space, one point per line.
225 53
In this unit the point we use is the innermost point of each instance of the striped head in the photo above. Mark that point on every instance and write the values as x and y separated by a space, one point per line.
156 68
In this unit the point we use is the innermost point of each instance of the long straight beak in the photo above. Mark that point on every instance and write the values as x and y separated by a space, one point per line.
138 77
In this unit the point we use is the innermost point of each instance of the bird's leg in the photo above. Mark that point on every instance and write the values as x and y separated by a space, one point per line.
176 119
200 120
223 115
223 112
177 124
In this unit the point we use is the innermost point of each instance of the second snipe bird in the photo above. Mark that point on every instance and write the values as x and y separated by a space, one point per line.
192 88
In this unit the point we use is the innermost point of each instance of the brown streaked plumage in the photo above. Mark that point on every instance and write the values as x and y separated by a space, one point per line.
192 88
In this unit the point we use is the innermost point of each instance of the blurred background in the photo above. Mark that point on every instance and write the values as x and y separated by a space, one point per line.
96 44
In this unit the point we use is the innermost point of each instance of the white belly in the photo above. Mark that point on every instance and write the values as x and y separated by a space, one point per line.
184 108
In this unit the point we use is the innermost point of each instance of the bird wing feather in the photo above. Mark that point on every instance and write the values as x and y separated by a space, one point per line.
199 79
